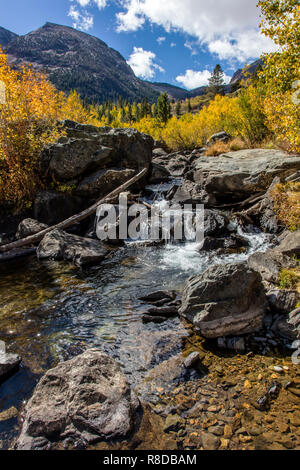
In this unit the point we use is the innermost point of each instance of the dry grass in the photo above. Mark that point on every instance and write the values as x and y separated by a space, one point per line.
286 198
221 147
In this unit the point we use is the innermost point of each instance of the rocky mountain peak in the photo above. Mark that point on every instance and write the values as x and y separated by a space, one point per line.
76 60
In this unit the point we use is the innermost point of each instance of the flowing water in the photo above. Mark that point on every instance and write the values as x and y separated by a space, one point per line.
51 311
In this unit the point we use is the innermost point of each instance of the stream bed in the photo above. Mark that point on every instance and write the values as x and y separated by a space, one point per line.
51 311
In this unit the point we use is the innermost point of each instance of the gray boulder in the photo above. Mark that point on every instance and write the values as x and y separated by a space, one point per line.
86 399
225 300
69 158
59 245
282 300
219 137
269 264
103 182
88 148
29 227
294 322
8 364
241 174
215 223
158 174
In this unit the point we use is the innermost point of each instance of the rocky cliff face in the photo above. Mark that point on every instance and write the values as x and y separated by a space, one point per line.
241 74
76 60
6 36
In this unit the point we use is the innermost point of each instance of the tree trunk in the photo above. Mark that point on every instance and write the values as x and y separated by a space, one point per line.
74 219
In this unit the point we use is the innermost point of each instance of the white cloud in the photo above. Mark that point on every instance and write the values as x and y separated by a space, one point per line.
161 40
81 20
191 46
172 44
142 63
194 79
100 3
229 28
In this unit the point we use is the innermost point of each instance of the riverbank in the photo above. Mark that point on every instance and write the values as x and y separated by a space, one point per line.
243 393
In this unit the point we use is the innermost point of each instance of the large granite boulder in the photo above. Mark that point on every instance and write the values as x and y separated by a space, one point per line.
83 400
70 158
87 148
240 174
59 245
290 245
103 182
29 227
225 300
283 300
270 264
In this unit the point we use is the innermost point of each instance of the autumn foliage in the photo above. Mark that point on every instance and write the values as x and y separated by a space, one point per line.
28 121
263 112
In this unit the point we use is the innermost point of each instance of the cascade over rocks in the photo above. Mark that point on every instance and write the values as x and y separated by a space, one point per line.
86 399
225 300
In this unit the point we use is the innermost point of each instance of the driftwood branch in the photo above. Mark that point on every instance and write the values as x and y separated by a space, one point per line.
74 219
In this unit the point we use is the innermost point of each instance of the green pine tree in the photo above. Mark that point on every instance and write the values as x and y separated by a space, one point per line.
163 108
178 108
216 81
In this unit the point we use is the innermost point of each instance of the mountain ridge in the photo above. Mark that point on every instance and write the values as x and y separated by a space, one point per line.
77 60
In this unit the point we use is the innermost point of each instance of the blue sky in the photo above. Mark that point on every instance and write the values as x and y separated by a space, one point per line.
174 41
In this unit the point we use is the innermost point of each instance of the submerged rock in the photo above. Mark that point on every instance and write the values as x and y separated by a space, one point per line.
59 245
8 364
87 398
225 300
158 295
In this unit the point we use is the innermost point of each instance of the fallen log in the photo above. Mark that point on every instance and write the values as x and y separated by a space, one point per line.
32 239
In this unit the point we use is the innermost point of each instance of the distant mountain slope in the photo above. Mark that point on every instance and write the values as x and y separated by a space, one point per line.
241 74
6 36
174 92
76 60
178 93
